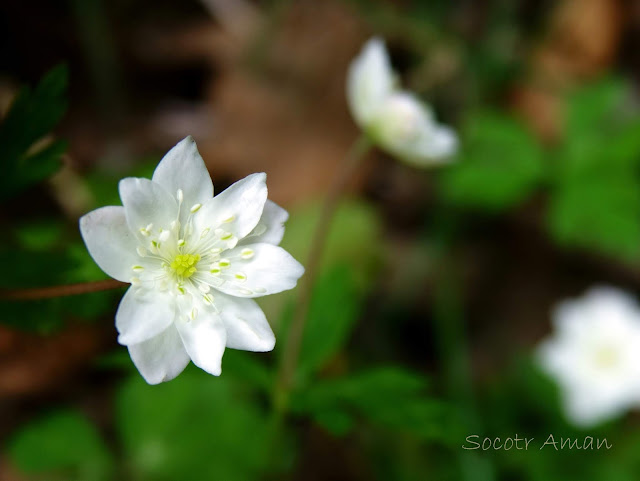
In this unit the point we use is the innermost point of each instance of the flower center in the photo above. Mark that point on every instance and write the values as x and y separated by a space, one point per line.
606 357
184 265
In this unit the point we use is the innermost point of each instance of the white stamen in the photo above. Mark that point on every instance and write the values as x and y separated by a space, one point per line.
164 235
195 208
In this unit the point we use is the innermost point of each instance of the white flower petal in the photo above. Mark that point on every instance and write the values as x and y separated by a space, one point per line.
204 339
146 202
369 81
237 209
270 228
142 315
270 269
110 241
246 325
183 168
401 122
404 126
440 143
161 358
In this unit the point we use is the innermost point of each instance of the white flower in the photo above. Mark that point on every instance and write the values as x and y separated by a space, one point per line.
595 355
394 119
194 262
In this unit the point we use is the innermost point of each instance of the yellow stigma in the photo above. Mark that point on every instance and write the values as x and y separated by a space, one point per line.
185 264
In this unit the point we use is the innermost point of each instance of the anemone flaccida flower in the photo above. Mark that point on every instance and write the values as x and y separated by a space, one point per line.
594 355
195 262
395 119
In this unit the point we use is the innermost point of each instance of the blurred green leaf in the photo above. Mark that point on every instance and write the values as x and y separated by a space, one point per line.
32 115
246 366
591 107
600 214
388 396
355 238
195 427
335 307
64 445
500 165
39 235
595 201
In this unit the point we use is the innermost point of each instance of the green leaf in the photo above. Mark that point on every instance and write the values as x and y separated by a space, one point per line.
64 443
24 158
500 165
595 200
591 107
246 366
601 214
388 396
39 235
335 307
195 427
355 238
355 242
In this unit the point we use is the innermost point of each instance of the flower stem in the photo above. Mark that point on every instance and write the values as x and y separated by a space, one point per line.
451 338
59 291
291 352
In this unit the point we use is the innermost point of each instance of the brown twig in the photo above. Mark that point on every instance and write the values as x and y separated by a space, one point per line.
59 291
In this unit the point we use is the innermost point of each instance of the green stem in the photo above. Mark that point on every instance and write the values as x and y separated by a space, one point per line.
450 331
289 360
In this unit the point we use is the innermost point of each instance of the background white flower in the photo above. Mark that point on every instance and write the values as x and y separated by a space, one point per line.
194 262
394 119
594 355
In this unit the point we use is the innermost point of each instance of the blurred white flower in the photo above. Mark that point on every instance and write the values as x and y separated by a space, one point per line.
394 119
194 262
594 355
